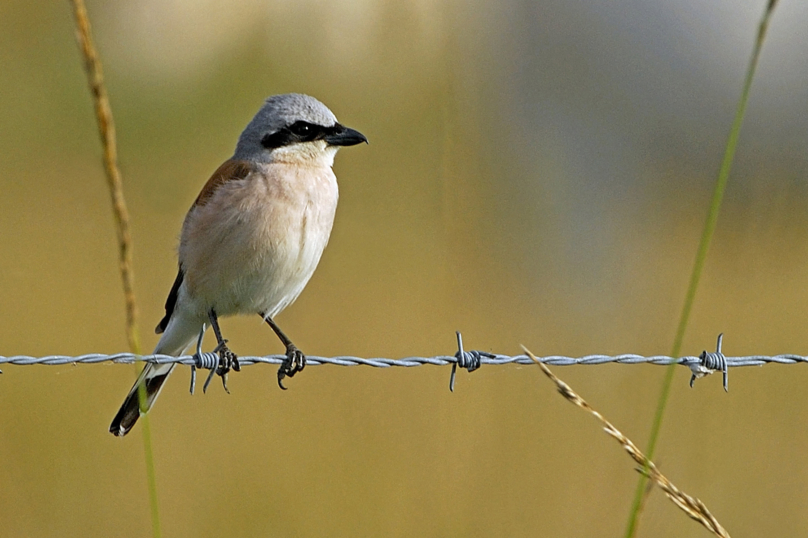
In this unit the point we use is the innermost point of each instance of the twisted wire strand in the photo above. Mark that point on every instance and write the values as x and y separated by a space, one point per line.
407 362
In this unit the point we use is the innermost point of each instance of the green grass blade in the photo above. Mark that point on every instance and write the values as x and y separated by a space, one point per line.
148 451
150 475
698 265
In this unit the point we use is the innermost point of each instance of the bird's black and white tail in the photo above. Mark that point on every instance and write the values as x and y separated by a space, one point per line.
179 334
151 378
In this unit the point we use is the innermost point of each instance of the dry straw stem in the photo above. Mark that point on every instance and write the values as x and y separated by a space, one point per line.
106 128
691 506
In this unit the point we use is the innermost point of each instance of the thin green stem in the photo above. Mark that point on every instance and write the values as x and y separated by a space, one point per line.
145 427
698 265
148 451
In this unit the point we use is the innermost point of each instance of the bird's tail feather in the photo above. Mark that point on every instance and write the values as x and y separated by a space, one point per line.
175 340
151 380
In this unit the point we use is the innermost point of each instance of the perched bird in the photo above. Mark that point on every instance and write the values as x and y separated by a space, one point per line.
252 238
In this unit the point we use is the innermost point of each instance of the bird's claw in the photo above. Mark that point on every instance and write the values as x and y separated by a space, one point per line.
295 362
227 361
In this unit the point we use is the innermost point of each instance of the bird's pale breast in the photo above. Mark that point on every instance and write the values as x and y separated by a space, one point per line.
253 246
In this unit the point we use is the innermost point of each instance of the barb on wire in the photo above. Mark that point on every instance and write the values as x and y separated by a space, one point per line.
209 361
470 360
709 363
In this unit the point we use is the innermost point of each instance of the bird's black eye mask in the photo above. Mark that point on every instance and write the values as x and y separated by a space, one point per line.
298 132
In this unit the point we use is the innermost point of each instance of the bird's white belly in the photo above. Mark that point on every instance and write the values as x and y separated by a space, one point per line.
265 245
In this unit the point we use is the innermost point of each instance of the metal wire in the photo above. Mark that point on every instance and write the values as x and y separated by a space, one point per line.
700 366
407 362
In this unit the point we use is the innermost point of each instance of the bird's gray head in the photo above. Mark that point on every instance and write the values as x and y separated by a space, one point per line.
294 126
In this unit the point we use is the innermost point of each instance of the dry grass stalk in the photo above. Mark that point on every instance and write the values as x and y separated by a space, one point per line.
106 128
691 506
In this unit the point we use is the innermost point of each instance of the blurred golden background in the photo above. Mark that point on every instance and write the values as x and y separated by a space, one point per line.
538 173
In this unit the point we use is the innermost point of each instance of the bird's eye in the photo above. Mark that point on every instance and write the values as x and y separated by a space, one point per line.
301 128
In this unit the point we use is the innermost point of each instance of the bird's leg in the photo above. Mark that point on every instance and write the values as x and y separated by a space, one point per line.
227 359
295 359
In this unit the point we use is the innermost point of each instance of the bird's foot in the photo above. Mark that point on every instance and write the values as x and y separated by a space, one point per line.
295 362
227 361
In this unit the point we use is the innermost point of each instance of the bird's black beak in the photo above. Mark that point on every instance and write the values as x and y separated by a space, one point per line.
345 136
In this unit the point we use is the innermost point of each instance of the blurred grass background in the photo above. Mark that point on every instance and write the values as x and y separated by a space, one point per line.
538 174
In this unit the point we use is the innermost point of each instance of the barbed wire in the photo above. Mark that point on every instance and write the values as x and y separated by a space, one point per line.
406 362
704 364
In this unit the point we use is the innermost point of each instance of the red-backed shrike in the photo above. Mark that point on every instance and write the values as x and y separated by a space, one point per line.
252 238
